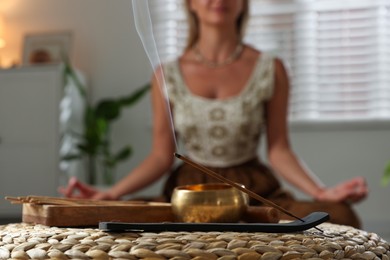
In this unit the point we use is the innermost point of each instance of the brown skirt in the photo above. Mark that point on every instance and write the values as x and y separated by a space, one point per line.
258 178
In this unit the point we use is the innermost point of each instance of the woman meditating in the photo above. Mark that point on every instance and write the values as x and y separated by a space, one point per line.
224 96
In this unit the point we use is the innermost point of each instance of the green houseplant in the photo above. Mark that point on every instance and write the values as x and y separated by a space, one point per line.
94 144
386 175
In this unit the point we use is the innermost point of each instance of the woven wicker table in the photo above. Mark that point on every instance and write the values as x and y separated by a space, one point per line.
25 241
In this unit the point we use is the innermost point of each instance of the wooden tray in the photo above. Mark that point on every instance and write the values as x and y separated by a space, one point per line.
91 215
63 212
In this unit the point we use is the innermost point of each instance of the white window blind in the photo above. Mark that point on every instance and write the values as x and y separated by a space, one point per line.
337 52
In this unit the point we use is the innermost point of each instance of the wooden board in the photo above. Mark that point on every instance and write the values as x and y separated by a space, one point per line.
91 215
63 212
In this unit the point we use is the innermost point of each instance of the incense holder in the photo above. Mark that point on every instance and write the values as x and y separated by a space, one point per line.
208 203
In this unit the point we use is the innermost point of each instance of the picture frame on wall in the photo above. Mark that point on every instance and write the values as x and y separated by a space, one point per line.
46 48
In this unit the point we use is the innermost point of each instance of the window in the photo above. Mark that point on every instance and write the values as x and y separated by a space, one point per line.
337 52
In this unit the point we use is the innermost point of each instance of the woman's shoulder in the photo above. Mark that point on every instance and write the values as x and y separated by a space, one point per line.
169 63
273 61
259 54
164 66
161 71
252 50
254 55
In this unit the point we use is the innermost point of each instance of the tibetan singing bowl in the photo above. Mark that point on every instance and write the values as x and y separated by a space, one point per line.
206 203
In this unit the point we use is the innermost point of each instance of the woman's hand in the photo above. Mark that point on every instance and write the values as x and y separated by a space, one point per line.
350 191
77 189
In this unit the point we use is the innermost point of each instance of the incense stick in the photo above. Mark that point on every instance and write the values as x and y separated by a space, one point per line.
237 186
45 200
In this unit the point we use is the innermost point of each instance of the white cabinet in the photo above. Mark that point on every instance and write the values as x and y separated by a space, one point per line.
29 133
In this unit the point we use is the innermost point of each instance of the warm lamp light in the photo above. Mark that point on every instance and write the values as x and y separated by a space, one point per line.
2 42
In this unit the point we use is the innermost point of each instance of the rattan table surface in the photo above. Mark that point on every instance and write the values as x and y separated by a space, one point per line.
27 241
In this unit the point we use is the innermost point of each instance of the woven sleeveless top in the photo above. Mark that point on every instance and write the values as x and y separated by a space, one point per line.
221 132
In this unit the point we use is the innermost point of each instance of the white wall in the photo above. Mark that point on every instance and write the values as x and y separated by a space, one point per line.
107 49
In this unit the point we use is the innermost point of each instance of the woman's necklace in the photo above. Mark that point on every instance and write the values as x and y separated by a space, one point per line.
212 64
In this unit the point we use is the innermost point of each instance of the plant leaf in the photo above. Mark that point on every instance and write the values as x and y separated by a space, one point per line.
386 175
108 109
68 71
111 161
101 128
123 154
85 148
135 96
95 131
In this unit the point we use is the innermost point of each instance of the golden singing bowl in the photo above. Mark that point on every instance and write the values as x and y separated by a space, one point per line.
214 202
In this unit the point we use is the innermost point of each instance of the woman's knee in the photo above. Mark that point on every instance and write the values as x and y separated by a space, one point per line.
343 214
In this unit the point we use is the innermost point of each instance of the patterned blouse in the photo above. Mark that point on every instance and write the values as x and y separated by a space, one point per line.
221 132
